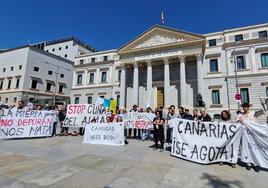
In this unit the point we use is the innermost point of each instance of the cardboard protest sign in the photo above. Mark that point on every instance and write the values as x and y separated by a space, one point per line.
26 123
255 144
206 142
104 133
78 115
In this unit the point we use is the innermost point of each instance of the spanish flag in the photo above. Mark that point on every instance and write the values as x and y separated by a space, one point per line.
162 18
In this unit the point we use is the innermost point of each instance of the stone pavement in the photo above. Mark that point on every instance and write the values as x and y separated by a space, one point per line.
65 162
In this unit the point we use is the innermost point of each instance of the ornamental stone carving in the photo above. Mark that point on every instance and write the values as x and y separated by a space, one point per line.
159 40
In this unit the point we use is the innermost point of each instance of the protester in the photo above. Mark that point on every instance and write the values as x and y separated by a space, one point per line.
64 130
181 112
119 119
112 116
187 115
195 115
170 115
55 120
225 116
248 116
204 116
159 131
20 106
39 107
134 109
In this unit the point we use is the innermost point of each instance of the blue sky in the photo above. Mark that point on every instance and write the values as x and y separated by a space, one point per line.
108 24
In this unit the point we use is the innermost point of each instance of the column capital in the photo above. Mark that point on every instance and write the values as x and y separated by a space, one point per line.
148 62
135 64
122 66
165 59
199 56
182 58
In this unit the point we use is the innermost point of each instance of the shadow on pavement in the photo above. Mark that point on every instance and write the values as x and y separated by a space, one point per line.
215 182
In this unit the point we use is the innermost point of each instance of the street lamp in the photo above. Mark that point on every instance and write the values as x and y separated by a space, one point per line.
236 77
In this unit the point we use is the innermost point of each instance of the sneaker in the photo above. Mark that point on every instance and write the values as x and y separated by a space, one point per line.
248 167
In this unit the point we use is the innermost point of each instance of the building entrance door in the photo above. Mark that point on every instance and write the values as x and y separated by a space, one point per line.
160 97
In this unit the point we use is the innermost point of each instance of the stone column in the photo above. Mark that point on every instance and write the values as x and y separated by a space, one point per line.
252 57
183 89
135 98
149 83
166 83
199 63
123 86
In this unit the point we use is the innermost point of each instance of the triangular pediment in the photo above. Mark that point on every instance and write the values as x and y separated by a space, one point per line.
159 36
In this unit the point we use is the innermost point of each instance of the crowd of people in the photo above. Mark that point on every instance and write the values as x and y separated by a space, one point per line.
161 132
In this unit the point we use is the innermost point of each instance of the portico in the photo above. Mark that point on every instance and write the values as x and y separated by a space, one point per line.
159 68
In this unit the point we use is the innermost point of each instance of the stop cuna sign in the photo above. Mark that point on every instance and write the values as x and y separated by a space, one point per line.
238 96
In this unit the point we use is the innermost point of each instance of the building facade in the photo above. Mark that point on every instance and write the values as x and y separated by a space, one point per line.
165 66
34 75
68 47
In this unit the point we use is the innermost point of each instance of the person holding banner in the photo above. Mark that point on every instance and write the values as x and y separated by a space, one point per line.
204 116
159 131
195 115
170 115
134 109
249 116
120 119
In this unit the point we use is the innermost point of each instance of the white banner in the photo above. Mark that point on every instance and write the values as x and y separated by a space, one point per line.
205 142
255 144
104 133
138 120
78 115
26 123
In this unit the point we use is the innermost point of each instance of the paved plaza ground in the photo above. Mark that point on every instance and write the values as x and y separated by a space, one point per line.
65 162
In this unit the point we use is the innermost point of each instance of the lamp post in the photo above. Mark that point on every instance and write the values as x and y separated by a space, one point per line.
236 78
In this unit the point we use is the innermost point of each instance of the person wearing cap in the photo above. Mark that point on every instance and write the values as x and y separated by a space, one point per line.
134 109
204 116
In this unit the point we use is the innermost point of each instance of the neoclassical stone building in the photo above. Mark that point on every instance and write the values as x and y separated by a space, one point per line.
165 66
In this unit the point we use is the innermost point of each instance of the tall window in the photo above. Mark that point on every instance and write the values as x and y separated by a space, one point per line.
91 78
4 69
238 38
34 84
50 72
76 100
81 61
9 84
262 34
62 75
89 100
20 67
103 76
266 91
240 63
119 75
11 68
215 97
79 79
6 100
264 60
244 95
48 87
15 99
93 59
105 58
1 84
213 65
118 100
18 83
61 88
212 42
